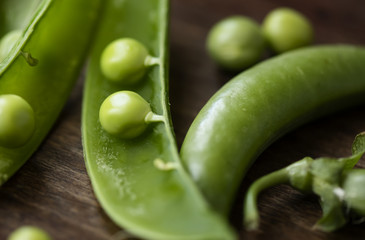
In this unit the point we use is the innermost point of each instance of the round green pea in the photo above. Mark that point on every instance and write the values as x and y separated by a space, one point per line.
286 29
235 43
17 122
123 114
29 233
8 42
124 61
353 187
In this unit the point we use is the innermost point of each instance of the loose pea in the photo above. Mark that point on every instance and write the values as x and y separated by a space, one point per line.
235 43
125 61
29 233
17 121
125 114
286 29
8 42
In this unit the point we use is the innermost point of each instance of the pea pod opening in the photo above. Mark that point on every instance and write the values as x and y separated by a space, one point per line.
139 182
260 105
43 64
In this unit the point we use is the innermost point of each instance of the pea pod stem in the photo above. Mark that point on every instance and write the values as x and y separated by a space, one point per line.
251 216
152 117
150 61
323 177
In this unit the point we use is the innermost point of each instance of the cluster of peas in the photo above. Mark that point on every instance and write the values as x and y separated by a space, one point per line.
124 114
234 43
238 42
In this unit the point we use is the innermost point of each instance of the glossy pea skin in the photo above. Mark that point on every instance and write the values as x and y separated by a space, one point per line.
235 43
261 104
287 29
29 233
17 121
123 114
124 61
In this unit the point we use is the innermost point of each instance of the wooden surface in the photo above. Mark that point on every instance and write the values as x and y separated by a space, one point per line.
52 189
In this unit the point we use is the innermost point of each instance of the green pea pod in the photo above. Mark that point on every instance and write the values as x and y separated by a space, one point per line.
263 103
40 63
139 181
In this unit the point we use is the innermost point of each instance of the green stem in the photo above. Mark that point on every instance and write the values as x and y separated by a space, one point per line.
150 61
152 117
251 214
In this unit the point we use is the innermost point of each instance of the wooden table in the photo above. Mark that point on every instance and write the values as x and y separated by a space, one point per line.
52 189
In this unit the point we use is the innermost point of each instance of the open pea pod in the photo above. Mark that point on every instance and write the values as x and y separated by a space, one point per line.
42 49
139 182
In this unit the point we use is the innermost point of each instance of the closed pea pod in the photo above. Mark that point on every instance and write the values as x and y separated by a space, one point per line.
261 104
41 62
135 168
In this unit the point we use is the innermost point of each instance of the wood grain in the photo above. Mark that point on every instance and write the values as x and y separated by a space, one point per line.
52 189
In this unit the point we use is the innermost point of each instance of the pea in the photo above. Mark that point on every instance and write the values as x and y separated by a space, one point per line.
29 233
139 181
125 114
17 121
8 42
235 43
125 61
286 29
260 105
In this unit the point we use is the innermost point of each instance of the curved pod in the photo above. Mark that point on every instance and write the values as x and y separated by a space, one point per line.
261 104
139 182
44 63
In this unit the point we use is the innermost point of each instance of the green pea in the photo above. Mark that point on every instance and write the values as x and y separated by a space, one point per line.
354 191
286 29
125 61
126 114
29 233
235 43
17 121
8 42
